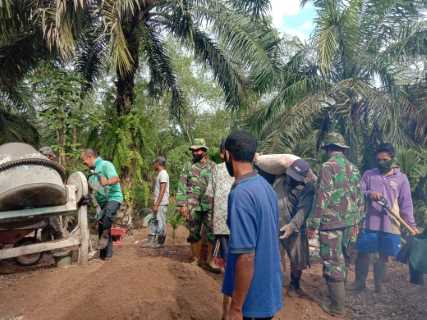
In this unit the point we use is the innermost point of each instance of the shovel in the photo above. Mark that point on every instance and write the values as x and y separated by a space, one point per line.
396 217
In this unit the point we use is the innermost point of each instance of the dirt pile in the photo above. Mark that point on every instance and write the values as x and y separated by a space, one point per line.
147 284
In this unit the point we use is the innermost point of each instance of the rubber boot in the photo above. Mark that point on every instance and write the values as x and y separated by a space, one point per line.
104 239
379 273
294 289
362 269
337 296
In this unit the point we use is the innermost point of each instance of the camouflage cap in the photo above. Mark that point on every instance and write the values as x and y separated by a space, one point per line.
334 139
199 143
47 152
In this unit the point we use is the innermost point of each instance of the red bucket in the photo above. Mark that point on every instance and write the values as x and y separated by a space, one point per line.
117 233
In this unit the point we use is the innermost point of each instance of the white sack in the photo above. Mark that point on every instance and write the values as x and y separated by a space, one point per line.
275 164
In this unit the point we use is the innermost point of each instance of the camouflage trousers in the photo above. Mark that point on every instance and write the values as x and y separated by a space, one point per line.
336 250
199 225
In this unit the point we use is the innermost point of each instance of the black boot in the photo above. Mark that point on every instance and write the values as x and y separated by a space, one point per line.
379 274
294 289
362 269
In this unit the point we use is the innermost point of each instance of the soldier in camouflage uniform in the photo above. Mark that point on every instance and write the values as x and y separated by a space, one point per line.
339 208
195 200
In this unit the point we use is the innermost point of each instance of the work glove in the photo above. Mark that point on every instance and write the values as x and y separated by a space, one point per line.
85 201
287 231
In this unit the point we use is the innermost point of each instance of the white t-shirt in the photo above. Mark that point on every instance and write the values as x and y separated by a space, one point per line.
162 177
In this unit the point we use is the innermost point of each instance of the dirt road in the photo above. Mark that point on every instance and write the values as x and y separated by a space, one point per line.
146 284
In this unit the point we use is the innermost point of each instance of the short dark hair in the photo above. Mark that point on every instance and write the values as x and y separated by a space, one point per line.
387 148
160 160
242 145
89 152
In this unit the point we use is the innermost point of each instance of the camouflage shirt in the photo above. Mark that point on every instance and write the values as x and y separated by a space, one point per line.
193 187
339 202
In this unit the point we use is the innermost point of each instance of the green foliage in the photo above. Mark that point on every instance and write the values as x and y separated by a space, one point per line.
176 158
174 218
16 128
348 77
56 93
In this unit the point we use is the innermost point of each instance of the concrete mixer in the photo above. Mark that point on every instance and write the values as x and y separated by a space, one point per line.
33 188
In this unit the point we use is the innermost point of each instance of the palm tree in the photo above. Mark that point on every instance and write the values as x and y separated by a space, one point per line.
123 37
351 77
227 36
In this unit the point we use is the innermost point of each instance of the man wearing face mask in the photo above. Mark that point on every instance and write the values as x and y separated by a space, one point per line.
381 235
195 201
253 277
296 195
338 210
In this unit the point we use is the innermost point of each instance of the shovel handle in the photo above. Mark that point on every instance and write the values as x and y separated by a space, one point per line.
397 217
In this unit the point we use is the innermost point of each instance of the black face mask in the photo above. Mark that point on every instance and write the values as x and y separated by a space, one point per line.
197 157
292 183
384 165
229 166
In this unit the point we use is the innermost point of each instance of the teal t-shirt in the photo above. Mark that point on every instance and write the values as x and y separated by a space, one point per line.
109 193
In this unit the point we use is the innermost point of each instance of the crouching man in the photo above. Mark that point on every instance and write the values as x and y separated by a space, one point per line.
106 182
295 204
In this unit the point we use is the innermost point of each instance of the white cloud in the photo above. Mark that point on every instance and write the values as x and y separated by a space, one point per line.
283 8
307 26
280 9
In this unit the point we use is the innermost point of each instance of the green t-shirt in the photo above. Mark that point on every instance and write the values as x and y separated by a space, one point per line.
109 193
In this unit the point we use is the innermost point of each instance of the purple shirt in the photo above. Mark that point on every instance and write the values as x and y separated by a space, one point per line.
396 190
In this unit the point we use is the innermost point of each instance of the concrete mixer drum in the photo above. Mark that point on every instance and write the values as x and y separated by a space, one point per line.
28 179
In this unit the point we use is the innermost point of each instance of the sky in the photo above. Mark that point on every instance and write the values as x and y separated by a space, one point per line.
290 18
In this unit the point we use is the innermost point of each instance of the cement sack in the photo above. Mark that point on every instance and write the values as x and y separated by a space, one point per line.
275 164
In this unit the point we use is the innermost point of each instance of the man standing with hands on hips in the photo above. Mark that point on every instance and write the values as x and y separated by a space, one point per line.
253 276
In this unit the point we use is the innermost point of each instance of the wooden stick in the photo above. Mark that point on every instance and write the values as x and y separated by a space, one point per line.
84 236
39 247
399 219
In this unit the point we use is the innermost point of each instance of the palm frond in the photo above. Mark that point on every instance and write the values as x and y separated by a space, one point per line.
293 125
162 75
19 55
114 14
208 52
254 45
91 56
257 9
327 35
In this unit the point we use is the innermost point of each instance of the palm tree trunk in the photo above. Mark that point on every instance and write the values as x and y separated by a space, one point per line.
125 85
126 82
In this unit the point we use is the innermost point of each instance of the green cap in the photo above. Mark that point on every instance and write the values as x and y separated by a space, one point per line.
199 143
334 139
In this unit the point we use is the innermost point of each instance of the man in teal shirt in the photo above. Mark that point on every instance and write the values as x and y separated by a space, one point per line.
106 183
